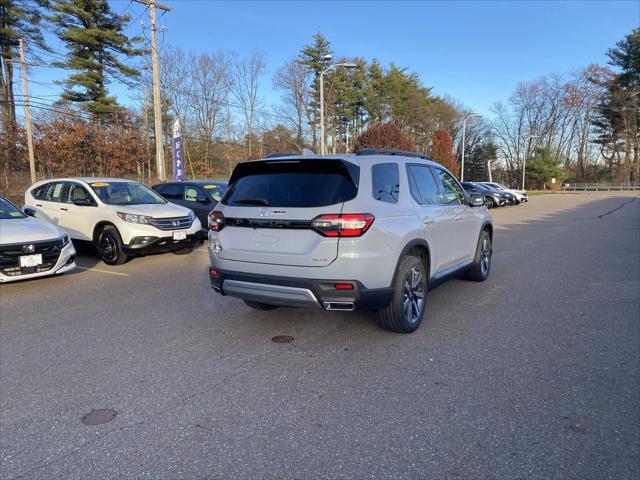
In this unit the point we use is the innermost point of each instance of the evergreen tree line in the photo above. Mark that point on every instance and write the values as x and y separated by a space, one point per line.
582 127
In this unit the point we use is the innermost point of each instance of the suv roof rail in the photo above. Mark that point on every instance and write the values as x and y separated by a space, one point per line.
277 155
390 151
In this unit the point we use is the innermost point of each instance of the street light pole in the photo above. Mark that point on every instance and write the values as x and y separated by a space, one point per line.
323 146
464 128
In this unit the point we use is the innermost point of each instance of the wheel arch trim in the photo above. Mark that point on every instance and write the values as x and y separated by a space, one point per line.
417 242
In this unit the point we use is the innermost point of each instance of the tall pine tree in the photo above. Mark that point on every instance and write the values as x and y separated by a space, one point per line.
313 56
96 42
18 19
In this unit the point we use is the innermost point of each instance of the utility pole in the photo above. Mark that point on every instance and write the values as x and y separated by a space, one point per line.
27 113
146 132
157 113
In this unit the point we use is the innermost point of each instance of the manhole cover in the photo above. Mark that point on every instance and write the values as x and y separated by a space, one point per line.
282 339
98 417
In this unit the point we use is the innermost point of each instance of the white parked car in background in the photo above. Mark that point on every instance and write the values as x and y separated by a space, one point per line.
120 217
521 195
31 248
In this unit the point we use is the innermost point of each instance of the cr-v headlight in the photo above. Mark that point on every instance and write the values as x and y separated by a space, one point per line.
192 216
133 218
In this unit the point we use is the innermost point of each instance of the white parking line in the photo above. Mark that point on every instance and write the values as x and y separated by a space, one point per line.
103 271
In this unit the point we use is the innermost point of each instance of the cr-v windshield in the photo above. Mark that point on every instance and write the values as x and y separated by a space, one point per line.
292 183
125 193
8 210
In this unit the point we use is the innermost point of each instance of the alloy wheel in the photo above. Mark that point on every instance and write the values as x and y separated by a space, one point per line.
108 247
413 296
485 256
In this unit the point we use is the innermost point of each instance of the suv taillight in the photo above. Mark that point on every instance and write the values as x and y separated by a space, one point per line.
216 221
343 225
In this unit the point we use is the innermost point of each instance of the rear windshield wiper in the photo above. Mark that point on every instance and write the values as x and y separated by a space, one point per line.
252 201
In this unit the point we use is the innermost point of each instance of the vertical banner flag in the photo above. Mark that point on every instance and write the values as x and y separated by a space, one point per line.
178 166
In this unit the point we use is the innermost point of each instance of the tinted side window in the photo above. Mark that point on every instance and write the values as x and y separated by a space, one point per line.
452 194
55 192
75 191
385 178
423 186
172 191
194 194
40 193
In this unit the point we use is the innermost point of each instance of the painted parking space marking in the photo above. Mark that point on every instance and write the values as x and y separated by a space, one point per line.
103 271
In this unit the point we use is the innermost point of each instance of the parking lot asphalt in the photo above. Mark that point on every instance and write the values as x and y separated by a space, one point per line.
532 374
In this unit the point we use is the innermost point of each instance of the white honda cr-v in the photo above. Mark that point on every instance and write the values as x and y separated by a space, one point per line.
31 248
120 217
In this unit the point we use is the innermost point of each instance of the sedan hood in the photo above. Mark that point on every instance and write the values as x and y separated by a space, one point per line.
21 230
160 210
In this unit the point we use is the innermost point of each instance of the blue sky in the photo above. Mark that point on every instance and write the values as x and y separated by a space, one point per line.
473 51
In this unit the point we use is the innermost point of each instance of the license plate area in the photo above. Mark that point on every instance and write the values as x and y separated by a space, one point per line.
179 235
27 261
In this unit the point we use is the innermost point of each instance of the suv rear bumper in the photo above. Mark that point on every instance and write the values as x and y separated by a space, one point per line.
299 292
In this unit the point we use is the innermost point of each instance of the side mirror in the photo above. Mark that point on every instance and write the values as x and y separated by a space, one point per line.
476 199
82 202
30 211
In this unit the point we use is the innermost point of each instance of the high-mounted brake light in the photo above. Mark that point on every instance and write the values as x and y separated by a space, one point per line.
343 225
216 221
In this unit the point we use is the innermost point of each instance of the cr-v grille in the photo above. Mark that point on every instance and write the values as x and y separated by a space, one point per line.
10 256
171 223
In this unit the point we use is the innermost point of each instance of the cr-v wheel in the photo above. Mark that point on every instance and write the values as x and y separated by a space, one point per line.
406 310
110 246
479 271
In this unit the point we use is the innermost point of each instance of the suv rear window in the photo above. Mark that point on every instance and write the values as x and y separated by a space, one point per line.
292 183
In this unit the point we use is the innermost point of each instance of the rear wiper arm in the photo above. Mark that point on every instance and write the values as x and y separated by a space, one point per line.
251 201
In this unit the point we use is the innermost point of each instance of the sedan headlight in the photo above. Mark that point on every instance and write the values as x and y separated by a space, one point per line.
64 241
133 218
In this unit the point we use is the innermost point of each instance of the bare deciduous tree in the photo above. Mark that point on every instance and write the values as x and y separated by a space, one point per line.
245 83
294 81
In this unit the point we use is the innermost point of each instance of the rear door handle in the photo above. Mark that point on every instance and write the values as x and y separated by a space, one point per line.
428 221
38 204
62 208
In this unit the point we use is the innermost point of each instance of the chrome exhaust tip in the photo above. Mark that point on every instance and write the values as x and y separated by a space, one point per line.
344 306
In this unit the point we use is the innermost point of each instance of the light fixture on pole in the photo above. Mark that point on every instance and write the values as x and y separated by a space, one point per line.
464 131
323 147
524 160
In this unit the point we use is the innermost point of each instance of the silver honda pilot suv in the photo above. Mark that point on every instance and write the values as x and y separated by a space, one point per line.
368 231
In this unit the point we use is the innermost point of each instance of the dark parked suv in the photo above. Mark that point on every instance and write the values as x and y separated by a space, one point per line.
200 196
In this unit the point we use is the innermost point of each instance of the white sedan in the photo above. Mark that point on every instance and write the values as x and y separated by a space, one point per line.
521 195
31 248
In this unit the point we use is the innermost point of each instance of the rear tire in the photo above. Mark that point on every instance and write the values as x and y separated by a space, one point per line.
109 246
479 271
405 312
260 306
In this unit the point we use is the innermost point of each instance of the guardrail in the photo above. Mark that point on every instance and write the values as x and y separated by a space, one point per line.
599 187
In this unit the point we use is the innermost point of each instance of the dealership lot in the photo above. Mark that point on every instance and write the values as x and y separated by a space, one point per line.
533 373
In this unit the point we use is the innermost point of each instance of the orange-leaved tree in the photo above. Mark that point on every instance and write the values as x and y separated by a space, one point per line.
442 151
